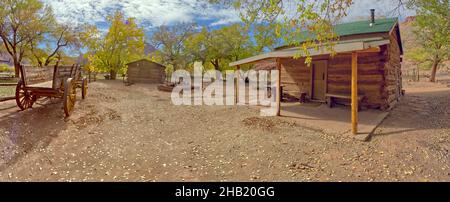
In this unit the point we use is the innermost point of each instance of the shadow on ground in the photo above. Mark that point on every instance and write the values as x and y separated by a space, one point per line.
22 131
417 110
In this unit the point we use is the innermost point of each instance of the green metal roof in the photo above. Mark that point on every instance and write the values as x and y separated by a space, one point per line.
363 27
345 29
355 28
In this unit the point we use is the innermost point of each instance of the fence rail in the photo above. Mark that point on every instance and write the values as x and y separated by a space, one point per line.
414 75
2 99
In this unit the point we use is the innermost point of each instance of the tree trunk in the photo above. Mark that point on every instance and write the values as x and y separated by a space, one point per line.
215 63
434 69
418 73
16 68
112 75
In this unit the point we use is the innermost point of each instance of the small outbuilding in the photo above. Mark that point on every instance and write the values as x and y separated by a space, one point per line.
145 71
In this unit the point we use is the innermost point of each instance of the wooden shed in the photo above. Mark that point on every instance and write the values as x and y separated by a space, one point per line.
145 71
366 69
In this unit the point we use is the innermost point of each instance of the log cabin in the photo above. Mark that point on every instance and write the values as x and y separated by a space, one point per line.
364 72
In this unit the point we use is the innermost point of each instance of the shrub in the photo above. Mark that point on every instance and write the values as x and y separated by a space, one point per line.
5 68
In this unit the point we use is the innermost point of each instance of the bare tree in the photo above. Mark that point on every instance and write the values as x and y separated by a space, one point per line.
60 37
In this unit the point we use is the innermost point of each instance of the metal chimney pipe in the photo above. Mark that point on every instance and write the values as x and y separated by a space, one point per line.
372 17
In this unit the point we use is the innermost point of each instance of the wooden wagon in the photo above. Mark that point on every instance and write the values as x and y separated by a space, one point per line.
64 85
74 71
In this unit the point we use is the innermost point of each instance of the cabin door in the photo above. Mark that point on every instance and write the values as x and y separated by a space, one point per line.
319 77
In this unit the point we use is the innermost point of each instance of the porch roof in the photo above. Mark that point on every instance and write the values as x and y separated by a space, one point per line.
339 47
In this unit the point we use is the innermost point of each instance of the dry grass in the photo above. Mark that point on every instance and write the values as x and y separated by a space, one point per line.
7 91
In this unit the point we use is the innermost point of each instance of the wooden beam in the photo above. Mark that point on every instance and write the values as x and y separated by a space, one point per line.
368 50
236 90
278 92
371 50
354 93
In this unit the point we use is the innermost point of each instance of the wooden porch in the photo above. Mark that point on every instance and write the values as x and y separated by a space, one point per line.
333 120
352 47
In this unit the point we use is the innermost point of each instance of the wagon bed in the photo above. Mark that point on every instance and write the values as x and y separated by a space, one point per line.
64 85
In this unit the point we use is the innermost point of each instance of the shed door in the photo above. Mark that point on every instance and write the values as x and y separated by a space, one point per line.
319 69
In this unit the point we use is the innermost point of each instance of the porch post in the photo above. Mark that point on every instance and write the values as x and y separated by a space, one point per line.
354 93
278 89
236 87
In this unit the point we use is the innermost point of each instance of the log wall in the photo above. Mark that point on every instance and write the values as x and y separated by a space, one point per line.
296 76
145 72
392 74
370 76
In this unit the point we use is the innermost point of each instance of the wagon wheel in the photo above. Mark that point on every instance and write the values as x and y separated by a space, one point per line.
70 96
24 98
84 87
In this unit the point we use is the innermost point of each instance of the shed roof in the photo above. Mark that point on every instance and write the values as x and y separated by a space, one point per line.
143 59
340 47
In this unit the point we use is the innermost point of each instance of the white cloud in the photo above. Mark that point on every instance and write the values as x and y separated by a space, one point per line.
148 12
80 11
383 8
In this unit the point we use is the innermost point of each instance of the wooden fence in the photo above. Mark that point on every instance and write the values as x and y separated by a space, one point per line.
414 75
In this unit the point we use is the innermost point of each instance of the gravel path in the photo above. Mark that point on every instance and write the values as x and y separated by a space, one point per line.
134 133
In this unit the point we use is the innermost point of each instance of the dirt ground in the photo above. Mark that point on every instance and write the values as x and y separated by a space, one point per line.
134 133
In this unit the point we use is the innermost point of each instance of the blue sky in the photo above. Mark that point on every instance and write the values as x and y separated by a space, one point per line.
152 13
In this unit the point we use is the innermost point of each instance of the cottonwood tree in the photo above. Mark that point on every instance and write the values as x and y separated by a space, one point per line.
22 22
169 40
217 47
197 45
229 43
292 18
123 43
265 37
432 28
90 39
